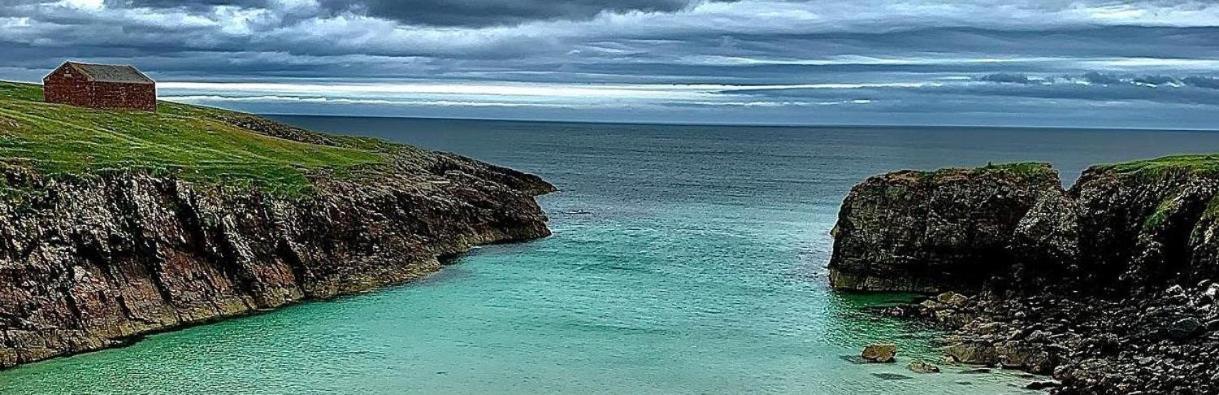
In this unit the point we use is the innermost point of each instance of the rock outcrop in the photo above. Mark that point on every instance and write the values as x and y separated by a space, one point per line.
1145 227
1124 228
1109 286
92 261
931 231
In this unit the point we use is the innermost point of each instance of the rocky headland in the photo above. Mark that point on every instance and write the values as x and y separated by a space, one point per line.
1108 286
115 225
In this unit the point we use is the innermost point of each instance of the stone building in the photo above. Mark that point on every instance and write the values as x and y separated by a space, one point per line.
100 86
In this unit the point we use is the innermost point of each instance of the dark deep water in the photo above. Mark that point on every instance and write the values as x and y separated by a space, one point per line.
686 259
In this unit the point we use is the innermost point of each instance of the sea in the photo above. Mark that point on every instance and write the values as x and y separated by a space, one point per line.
685 259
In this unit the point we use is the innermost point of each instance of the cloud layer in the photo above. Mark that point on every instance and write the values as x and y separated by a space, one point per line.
1088 63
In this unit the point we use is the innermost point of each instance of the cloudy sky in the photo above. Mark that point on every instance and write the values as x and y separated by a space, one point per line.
1098 63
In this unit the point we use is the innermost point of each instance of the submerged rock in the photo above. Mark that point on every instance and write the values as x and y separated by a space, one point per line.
920 366
1042 385
892 376
879 353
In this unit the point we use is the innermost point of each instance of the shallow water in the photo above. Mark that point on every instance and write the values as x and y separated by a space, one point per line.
686 259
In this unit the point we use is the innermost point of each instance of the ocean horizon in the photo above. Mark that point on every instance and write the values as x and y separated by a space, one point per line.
747 124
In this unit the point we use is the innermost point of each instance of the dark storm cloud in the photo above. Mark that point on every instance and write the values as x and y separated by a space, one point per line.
1101 78
448 12
1155 80
191 4
1006 78
496 12
1151 80
1202 82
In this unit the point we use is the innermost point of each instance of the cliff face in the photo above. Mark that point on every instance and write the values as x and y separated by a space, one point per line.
1141 229
87 262
1121 228
927 231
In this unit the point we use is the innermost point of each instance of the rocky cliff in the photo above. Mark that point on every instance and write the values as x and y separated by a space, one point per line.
930 231
1109 285
90 261
1121 228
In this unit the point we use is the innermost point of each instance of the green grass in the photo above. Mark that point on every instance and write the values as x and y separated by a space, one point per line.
1160 214
1212 208
197 143
1022 168
1203 164
1156 170
1169 166
1031 170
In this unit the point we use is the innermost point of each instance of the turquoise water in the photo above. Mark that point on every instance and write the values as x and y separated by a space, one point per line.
684 260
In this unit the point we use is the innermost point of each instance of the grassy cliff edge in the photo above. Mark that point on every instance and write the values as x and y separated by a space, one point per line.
196 143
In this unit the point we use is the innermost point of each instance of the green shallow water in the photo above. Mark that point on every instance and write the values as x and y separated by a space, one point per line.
684 260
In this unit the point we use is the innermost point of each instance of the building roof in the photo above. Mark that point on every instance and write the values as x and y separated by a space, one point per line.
112 73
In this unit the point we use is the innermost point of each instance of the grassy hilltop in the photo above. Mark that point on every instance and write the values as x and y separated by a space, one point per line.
199 143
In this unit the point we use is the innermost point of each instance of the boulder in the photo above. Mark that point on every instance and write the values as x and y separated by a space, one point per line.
1183 328
952 299
1208 295
879 353
1021 355
973 353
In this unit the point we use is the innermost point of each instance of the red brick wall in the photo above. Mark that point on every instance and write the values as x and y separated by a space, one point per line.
67 86
116 95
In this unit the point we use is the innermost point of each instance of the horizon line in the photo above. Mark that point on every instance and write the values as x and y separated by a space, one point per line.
743 124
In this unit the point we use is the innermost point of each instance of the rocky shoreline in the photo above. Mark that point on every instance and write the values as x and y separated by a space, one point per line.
93 261
1108 287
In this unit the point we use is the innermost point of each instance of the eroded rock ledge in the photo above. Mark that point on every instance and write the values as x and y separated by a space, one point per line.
89 262
1109 285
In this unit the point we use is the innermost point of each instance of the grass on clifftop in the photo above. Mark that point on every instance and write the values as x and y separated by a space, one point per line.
194 141
1021 169
1207 164
1028 169
1149 169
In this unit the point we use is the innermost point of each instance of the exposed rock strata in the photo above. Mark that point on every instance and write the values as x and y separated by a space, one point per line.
1108 286
89 262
